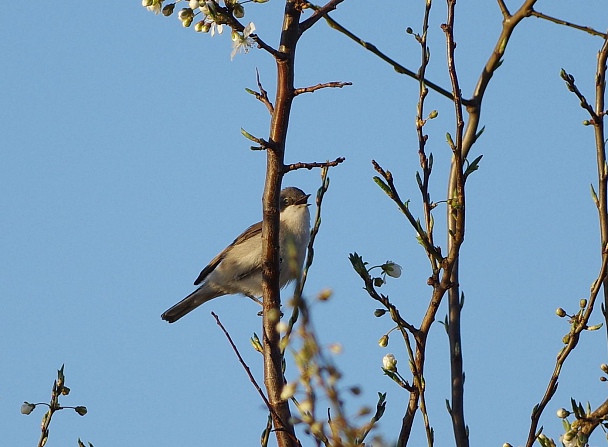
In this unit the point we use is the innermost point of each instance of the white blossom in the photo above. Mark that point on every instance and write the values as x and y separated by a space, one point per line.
27 408
392 269
389 362
242 42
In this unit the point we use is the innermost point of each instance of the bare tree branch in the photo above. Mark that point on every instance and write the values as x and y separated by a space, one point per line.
314 88
319 12
579 324
309 166
273 356
242 362
456 215
586 29
396 66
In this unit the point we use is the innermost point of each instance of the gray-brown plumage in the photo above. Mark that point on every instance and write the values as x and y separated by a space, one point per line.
238 268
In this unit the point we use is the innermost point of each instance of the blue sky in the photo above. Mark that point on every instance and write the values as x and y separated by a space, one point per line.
123 172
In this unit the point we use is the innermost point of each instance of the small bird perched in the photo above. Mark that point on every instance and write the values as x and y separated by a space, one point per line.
238 268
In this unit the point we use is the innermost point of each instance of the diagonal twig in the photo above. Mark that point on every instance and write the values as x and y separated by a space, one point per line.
586 29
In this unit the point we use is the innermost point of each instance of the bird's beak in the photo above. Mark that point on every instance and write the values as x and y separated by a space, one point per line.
303 200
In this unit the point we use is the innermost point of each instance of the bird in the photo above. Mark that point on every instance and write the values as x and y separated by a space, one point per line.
238 268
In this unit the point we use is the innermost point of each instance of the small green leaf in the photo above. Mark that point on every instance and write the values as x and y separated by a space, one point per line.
594 196
248 135
382 185
472 167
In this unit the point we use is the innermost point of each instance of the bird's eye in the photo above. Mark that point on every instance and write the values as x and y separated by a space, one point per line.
285 201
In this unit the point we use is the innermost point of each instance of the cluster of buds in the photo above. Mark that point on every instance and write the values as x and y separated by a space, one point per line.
215 12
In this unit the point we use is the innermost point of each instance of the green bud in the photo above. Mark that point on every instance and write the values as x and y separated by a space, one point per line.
560 312
378 282
583 303
562 413
81 410
383 342
433 114
238 11
586 123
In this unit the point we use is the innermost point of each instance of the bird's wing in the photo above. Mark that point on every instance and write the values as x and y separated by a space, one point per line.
253 230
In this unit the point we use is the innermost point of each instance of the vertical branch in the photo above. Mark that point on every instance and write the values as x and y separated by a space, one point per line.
273 359
417 394
600 146
579 322
456 221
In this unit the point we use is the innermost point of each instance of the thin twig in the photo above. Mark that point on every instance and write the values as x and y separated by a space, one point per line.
418 394
262 95
309 256
243 364
396 66
309 166
314 88
586 29
572 341
391 191
504 9
600 148
570 83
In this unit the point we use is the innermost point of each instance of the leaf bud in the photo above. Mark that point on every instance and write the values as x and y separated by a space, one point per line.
583 303
168 9
379 312
238 11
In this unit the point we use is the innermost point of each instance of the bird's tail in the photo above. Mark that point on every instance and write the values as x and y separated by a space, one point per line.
191 302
